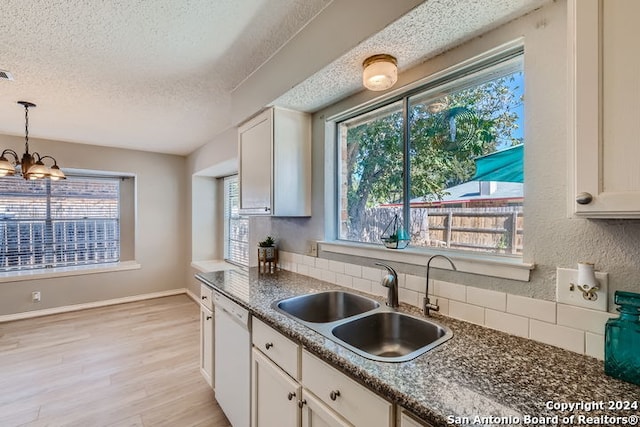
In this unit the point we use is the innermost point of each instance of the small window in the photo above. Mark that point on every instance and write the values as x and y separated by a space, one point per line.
236 227
48 224
446 160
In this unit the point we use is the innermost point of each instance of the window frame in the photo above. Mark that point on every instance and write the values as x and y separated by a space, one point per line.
127 234
226 223
501 266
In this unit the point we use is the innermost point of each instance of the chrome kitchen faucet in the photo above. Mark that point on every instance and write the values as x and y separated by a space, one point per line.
427 306
390 280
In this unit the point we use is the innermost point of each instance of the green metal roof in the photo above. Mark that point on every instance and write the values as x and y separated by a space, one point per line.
505 165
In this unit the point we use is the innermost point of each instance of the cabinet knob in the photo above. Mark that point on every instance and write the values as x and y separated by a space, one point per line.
334 394
208 317
584 198
267 208
301 403
268 345
290 396
203 297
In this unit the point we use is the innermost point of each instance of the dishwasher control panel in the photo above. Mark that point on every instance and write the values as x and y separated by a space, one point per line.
236 311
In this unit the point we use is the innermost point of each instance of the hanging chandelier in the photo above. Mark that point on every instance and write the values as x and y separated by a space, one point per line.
32 165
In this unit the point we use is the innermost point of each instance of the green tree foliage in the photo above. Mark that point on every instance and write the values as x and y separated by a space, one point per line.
445 136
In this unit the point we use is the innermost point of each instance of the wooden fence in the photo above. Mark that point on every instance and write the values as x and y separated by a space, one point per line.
488 229
58 243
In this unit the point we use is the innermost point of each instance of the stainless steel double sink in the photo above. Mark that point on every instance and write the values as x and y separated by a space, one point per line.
364 326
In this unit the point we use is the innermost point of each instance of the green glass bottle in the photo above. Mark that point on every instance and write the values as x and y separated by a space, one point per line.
622 339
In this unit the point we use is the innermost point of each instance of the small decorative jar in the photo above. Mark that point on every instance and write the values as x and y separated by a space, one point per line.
622 339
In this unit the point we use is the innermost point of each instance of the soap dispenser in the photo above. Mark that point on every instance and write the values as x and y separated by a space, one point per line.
622 339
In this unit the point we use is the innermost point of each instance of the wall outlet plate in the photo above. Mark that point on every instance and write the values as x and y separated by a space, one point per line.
313 249
566 276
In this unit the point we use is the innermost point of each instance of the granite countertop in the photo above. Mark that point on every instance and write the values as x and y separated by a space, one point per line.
477 373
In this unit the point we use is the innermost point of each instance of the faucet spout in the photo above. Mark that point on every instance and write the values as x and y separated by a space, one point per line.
390 280
427 306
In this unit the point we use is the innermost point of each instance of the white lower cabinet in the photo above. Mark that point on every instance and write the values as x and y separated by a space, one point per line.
206 344
274 394
355 403
323 396
279 400
407 420
206 335
316 414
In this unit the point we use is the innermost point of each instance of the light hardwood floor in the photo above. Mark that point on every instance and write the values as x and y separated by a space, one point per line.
134 364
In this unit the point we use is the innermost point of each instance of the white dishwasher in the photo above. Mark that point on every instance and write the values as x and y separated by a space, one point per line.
232 360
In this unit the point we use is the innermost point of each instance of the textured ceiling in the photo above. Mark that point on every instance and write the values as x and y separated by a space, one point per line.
159 75
428 30
146 74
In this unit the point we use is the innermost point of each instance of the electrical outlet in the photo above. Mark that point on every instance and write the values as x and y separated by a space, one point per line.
35 296
313 249
567 291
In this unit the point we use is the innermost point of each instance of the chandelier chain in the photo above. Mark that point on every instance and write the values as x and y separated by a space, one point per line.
26 127
31 166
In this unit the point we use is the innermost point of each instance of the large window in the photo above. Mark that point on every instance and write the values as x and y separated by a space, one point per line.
47 224
445 160
236 227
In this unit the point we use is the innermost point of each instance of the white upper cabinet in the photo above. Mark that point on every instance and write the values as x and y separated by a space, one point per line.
275 164
604 73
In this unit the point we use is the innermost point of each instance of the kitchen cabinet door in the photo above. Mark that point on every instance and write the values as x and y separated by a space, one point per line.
408 421
206 344
274 395
355 403
316 414
604 109
274 149
255 145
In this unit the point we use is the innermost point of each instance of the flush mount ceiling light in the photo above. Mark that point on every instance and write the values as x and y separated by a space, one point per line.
380 72
32 165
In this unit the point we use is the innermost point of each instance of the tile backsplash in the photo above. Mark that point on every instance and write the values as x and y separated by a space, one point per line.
573 328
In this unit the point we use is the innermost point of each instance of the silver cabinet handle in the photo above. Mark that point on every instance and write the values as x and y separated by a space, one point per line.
290 396
268 345
584 198
334 394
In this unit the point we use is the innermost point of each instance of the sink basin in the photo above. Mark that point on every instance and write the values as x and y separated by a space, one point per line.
325 307
391 336
363 326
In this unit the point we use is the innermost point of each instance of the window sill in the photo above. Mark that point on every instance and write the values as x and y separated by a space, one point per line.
52 273
486 265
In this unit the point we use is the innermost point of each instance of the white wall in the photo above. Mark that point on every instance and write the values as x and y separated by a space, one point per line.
161 245
204 193
551 238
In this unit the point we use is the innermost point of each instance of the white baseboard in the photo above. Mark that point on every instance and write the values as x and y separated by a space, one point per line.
76 307
193 296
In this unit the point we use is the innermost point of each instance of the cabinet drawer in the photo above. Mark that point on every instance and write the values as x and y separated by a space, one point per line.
206 296
354 402
284 352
